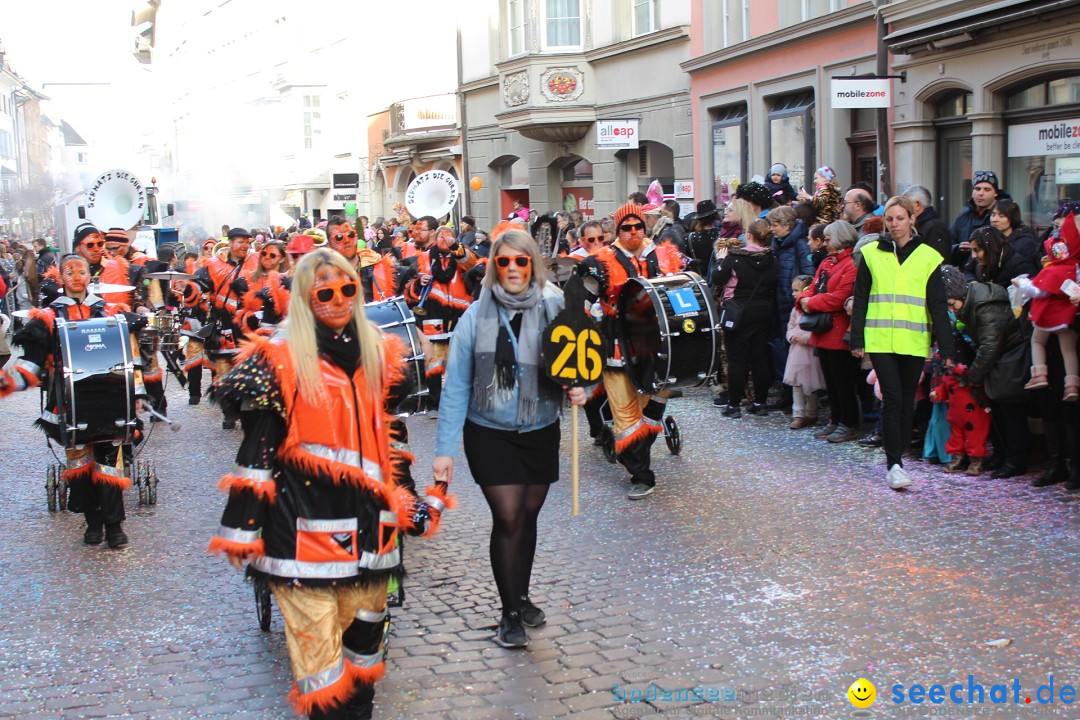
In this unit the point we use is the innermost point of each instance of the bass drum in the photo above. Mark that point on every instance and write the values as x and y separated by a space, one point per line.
668 332
97 401
394 316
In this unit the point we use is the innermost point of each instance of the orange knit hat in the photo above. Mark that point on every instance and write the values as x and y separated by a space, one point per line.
628 210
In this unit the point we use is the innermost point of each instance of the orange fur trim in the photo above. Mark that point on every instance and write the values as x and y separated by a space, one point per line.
7 385
117 271
31 379
394 351
645 431
70 475
435 370
221 546
669 259
501 228
105 479
153 377
53 273
265 490
440 491
337 694
404 501
45 315
338 472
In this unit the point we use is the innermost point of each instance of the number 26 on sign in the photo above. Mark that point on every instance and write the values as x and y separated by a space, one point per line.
579 355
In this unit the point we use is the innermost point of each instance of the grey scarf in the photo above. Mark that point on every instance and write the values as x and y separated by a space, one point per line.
493 318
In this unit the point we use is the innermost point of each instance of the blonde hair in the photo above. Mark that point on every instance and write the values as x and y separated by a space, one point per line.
300 332
744 214
522 242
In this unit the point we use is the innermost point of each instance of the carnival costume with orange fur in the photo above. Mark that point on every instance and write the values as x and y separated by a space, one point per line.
316 499
637 416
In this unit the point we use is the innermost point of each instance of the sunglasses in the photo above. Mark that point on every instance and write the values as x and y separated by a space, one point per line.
326 293
94 244
522 261
339 236
634 227
269 254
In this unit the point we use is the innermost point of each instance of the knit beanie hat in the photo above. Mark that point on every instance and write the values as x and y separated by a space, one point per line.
777 169
955 284
827 172
83 231
628 210
118 235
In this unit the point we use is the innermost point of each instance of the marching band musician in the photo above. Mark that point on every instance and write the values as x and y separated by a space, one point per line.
94 473
323 485
379 276
218 279
637 417
266 289
435 288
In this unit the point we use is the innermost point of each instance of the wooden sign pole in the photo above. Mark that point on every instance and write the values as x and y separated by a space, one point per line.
573 459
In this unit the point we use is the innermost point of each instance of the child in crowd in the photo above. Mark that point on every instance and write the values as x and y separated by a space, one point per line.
816 240
803 369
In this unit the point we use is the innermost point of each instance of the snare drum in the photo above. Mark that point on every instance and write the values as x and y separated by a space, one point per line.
163 328
667 329
394 316
97 400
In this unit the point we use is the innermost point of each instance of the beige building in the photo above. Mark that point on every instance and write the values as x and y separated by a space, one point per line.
989 86
574 104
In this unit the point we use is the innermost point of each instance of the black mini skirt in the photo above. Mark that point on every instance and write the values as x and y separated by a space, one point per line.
507 457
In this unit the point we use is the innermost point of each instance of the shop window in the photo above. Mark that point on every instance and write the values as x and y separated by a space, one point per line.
563 24
729 151
646 16
954 105
862 144
954 153
792 134
516 16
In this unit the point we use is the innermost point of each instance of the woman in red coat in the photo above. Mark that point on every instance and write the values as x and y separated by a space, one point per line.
833 285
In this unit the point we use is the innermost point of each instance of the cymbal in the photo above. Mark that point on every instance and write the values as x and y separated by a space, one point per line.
21 314
169 275
99 288
561 268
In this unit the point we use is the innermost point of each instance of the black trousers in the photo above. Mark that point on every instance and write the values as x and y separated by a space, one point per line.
841 372
1010 432
898 376
748 354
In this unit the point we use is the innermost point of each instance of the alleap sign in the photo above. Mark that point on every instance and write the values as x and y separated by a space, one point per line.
617 134
1050 137
860 92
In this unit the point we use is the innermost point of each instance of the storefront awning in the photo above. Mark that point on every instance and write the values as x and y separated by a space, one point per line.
963 27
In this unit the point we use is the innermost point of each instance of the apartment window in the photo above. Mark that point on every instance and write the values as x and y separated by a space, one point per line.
312 120
516 15
734 21
646 15
6 146
793 12
82 157
563 24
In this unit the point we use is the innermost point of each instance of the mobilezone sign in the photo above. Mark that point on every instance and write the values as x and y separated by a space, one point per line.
1051 137
860 92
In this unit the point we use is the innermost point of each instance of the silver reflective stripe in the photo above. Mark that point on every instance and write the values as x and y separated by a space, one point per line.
629 431
244 537
30 367
110 470
402 447
258 475
335 525
364 661
295 568
435 503
80 462
370 616
50 417
901 324
905 299
345 456
227 300
18 382
388 517
374 561
650 421
314 683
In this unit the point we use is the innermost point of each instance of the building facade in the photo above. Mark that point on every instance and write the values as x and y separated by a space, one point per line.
989 86
574 104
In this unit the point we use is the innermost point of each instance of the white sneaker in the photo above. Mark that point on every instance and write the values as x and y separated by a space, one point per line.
897 477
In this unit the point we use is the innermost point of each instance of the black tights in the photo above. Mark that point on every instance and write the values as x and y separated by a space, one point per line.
514 510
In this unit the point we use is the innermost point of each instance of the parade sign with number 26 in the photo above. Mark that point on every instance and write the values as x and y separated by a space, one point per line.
573 349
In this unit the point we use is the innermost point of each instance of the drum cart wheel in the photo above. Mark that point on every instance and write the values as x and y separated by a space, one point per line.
607 443
151 480
262 603
51 487
139 479
61 488
672 436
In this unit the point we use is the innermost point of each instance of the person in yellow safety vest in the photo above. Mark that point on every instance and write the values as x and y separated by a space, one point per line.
899 299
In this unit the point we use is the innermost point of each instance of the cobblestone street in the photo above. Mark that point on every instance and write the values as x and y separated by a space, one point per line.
767 563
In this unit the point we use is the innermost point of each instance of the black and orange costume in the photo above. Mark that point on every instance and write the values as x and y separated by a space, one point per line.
317 497
447 298
637 417
94 473
380 274
269 294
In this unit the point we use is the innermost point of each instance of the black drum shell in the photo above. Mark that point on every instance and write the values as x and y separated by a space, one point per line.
394 316
98 388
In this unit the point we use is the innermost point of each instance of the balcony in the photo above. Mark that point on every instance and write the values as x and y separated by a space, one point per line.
421 120
547 97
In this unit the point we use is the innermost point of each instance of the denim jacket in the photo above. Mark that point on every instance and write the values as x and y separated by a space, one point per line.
455 406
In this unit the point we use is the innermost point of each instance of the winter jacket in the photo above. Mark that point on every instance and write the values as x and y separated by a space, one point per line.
833 285
757 272
1023 242
934 232
793 252
1013 264
826 203
989 322
967 221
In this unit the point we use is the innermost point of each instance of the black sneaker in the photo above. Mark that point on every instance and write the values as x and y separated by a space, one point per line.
114 535
531 616
193 400
732 411
511 633
228 424
721 399
758 409
94 535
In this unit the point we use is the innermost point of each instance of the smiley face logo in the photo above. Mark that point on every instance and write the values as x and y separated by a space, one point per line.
689 326
862 693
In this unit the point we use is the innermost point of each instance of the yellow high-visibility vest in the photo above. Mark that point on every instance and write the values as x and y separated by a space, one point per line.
897 320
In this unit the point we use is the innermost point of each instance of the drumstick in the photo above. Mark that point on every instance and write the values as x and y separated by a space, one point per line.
573 459
173 425
424 293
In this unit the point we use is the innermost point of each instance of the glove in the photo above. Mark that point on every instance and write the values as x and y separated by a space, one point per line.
239 286
420 517
286 282
270 313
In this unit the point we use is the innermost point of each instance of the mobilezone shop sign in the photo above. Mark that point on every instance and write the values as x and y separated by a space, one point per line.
1050 137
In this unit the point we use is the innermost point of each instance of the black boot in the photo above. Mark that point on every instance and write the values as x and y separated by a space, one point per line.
334 713
1074 481
362 704
1056 473
114 535
95 529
